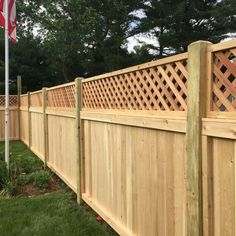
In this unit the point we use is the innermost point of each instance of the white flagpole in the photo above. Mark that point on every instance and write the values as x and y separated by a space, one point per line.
6 86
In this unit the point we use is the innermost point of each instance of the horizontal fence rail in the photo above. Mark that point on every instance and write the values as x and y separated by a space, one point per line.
151 148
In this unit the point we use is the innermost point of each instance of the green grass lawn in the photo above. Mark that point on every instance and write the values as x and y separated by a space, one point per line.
49 214
52 214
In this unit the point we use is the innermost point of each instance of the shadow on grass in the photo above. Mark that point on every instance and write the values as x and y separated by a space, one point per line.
50 214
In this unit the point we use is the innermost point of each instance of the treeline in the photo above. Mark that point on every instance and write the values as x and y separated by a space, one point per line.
59 40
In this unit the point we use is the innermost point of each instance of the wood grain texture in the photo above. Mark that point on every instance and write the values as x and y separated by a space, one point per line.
78 107
176 124
62 148
13 124
196 110
222 128
207 184
132 177
45 126
24 126
224 186
37 134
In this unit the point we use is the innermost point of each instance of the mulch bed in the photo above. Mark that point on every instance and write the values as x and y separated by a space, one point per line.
29 190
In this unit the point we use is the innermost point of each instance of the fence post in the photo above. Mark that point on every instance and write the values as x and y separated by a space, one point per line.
44 105
197 93
18 103
78 98
29 120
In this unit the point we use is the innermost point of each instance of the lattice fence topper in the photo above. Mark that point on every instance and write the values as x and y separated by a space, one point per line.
162 87
12 100
36 99
224 80
61 97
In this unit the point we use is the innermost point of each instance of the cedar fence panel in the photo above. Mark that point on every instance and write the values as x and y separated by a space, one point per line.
24 118
48 128
36 131
61 132
128 120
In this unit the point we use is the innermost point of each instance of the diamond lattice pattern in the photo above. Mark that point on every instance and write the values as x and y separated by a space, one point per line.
162 87
224 81
12 100
61 97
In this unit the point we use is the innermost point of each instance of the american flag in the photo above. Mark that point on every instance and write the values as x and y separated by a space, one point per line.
12 17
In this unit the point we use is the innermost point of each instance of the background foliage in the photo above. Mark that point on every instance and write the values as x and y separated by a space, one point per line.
59 40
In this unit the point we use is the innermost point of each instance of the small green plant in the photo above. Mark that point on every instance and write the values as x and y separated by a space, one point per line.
1 156
4 177
9 190
24 179
41 179
24 164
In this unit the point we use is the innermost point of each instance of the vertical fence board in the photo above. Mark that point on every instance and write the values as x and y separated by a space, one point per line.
78 106
44 105
197 59
29 119
62 148
18 102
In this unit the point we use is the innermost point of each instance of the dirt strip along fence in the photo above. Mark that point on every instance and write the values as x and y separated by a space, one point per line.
151 148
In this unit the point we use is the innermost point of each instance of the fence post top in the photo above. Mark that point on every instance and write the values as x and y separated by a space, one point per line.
79 78
199 42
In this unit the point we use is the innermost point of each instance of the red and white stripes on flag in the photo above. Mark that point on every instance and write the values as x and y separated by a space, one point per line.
12 17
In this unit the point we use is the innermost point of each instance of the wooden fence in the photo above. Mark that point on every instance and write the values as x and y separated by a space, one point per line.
133 128
151 148
48 127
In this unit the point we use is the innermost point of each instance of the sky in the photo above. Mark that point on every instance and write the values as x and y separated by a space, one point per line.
140 40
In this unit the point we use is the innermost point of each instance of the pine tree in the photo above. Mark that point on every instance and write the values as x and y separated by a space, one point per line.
177 23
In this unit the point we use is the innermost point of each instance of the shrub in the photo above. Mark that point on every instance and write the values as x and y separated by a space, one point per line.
24 179
1 156
24 164
41 179
4 177
9 190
